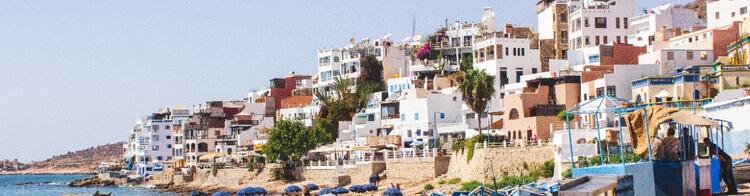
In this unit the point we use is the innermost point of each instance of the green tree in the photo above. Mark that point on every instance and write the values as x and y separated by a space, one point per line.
288 141
341 103
561 116
477 89
466 63
371 73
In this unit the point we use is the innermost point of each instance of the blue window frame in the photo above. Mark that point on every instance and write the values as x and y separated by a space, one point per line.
442 115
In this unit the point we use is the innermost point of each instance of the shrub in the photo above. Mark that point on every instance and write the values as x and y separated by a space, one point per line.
567 174
548 168
428 187
441 182
454 181
470 186
215 168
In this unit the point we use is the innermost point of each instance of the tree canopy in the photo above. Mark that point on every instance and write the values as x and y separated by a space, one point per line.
477 88
290 140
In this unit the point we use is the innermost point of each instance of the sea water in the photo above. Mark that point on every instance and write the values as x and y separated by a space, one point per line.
44 185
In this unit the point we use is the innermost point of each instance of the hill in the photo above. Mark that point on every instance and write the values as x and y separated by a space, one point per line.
81 161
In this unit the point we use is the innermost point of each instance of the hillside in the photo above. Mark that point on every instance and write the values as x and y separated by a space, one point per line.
82 161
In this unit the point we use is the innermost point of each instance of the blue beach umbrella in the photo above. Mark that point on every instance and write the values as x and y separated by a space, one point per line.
340 190
326 191
393 192
248 191
370 187
198 193
357 189
261 191
292 189
221 193
312 187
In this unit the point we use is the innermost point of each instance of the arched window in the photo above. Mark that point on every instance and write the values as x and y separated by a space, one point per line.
513 114
638 99
202 147
229 151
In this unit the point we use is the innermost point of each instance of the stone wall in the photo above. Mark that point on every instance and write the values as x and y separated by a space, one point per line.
411 169
359 174
498 162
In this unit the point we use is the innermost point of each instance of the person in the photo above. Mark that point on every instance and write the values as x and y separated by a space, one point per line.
667 148
688 143
726 165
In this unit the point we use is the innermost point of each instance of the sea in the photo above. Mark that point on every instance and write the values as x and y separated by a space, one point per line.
44 185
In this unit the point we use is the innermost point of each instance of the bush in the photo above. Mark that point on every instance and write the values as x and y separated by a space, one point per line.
454 181
215 168
548 168
441 182
470 186
567 174
428 187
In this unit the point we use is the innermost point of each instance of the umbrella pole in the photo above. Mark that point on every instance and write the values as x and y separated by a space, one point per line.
622 139
570 140
599 136
648 133
721 126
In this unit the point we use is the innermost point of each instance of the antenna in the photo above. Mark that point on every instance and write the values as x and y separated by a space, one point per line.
414 20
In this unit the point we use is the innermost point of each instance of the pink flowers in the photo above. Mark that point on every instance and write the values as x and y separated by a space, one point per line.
424 51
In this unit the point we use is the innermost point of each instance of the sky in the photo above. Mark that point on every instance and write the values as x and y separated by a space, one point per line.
76 74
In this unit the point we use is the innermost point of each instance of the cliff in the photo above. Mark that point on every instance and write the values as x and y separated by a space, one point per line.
81 161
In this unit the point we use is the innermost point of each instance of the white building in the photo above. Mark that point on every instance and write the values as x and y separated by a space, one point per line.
345 62
506 58
615 82
150 143
665 16
180 116
412 114
721 13
668 60
298 108
596 22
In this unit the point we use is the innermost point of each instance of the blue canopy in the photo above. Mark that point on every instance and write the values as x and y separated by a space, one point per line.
357 188
292 189
370 187
340 190
393 192
198 193
326 191
251 191
312 186
374 178
221 193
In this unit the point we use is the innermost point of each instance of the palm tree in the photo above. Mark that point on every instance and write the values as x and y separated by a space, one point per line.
477 89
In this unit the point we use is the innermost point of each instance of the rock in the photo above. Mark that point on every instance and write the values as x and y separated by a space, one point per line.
93 181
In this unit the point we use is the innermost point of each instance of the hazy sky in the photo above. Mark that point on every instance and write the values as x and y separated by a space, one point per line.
75 74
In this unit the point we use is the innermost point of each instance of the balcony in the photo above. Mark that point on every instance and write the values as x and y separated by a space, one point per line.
739 43
547 110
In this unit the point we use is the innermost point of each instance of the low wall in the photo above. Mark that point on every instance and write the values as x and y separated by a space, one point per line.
498 162
359 173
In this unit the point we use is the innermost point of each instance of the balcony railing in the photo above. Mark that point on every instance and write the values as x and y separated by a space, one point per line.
739 43
546 110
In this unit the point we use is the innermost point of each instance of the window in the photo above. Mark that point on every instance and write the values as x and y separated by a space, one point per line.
625 23
419 132
155 147
606 40
442 115
217 133
513 114
507 50
617 22
470 116
611 91
166 126
689 55
743 10
704 56
670 56
586 22
600 22
155 138
596 40
169 146
518 76
168 137
416 116
563 17
158 158
716 15
533 70
403 117
408 133
588 41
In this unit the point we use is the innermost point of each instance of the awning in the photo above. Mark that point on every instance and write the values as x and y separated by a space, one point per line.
212 156
663 94
688 118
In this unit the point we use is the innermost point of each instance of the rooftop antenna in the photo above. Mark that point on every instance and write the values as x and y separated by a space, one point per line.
414 20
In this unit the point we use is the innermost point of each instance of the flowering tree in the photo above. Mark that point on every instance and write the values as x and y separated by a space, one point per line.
424 51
